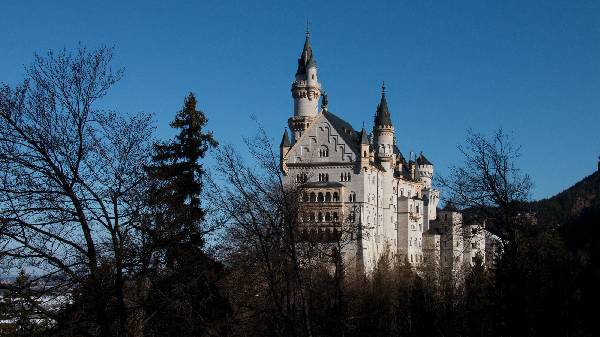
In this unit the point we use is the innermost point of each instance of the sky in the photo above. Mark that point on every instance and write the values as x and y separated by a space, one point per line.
530 67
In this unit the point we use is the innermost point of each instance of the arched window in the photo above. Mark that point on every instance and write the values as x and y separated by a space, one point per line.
327 216
305 197
335 217
365 154
328 197
321 199
313 197
352 197
312 217
336 197
320 217
324 151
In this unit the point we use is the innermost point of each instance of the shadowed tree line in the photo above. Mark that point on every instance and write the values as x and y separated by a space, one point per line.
112 233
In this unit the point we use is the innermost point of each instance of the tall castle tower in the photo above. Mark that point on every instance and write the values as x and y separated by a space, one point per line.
383 130
306 91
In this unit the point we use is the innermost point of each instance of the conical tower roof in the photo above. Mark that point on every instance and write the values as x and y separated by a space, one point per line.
382 116
285 140
364 139
306 59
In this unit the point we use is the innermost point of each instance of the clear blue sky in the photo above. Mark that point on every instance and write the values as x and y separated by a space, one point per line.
532 67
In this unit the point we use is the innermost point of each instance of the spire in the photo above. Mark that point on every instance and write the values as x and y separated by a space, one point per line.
306 59
382 116
285 141
364 139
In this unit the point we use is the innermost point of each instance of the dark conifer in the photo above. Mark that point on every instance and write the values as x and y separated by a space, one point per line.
185 300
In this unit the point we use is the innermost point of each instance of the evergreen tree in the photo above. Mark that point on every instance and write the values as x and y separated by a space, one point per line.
183 298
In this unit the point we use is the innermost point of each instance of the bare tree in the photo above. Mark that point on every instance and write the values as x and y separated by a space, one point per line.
489 186
70 177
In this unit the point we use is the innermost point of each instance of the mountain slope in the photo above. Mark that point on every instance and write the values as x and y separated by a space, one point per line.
570 203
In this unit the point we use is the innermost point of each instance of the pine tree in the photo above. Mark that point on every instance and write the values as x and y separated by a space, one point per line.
176 180
184 299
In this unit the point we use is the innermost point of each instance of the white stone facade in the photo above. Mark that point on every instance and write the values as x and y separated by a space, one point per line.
352 179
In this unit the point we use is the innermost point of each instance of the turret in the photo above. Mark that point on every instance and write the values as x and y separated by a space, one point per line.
383 130
364 148
424 170
284 147
306 91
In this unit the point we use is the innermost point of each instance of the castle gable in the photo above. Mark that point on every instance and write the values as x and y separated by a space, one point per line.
328 140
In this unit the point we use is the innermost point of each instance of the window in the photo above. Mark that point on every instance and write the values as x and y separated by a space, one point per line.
345 176
352 217
301 178
324 151
328 197
321 198
313 197
352 197
335 217
323 177
474 245
327 216
320 218
417 209
336 197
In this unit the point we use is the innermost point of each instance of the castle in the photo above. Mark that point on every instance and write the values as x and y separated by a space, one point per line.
360 187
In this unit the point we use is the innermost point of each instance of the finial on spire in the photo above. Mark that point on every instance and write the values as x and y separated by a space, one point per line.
307 28
383 87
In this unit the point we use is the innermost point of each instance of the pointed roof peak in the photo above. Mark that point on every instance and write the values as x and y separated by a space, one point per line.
307 58
285 141
382 116
364 139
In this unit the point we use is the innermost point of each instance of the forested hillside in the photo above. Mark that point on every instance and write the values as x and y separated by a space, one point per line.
570 203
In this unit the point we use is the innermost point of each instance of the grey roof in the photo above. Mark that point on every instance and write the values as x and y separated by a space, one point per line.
343 128
382 116
364 139
421 160
285 141
306 59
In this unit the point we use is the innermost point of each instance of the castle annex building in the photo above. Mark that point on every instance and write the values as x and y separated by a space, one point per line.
359 185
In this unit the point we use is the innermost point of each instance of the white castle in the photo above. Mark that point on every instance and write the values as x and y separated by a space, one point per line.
360 186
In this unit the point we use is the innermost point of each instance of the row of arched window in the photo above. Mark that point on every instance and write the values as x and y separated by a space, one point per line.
345 176
323 177
321 235
324 151
321 197
320 217
301 178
